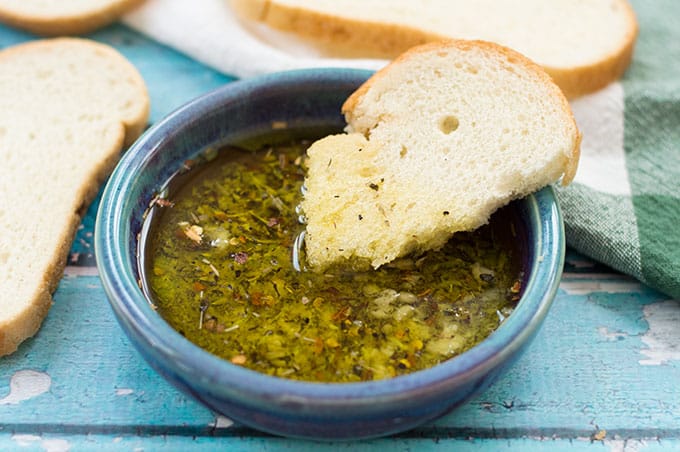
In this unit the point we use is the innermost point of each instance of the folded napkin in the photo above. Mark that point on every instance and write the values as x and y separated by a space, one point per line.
623 208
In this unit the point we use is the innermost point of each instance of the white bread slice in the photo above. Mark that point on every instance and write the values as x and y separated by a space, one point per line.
67 108
437 141
63 17
583 45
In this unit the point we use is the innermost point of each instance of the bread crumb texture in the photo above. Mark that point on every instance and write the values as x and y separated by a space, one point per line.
436 142
582 44
63 17
67 107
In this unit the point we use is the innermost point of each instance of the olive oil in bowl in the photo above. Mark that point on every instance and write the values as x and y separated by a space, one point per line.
216 255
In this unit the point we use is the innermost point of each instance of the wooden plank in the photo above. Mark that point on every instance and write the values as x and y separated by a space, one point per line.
583 373
103 443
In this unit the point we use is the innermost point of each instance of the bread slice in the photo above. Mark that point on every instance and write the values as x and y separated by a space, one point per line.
67 108
437 141
582 45
63 17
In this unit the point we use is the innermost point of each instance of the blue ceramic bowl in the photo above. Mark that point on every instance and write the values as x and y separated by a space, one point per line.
304 101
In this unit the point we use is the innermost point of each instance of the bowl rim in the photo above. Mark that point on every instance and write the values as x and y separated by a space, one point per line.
140 321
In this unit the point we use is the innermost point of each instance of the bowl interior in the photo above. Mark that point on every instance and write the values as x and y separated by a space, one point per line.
299 104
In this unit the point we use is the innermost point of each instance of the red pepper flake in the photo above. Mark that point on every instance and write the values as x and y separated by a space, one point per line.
198 286
161 202
256 298
262 299
342 314
318 345
241 257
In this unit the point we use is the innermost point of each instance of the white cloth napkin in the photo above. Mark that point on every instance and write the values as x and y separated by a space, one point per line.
209 32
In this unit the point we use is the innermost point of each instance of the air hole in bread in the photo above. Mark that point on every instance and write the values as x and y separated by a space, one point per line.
403 152
448 124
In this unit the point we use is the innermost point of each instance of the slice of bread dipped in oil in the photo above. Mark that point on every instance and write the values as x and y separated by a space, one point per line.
436 142
67 108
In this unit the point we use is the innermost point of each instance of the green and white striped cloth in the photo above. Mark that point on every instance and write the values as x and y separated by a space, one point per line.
623 208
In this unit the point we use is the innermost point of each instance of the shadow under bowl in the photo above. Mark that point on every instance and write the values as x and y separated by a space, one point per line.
306 102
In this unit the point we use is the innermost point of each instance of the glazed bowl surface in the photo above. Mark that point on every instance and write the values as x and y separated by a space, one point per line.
299 104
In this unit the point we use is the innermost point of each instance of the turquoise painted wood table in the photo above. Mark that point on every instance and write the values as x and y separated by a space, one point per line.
603 373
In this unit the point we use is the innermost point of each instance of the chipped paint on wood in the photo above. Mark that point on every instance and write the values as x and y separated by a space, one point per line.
25 385
628 445
663 337
48 445
223 422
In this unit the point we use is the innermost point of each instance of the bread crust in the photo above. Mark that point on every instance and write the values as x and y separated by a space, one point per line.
27 323
581 80
355 98
13 331
350 37
63 25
